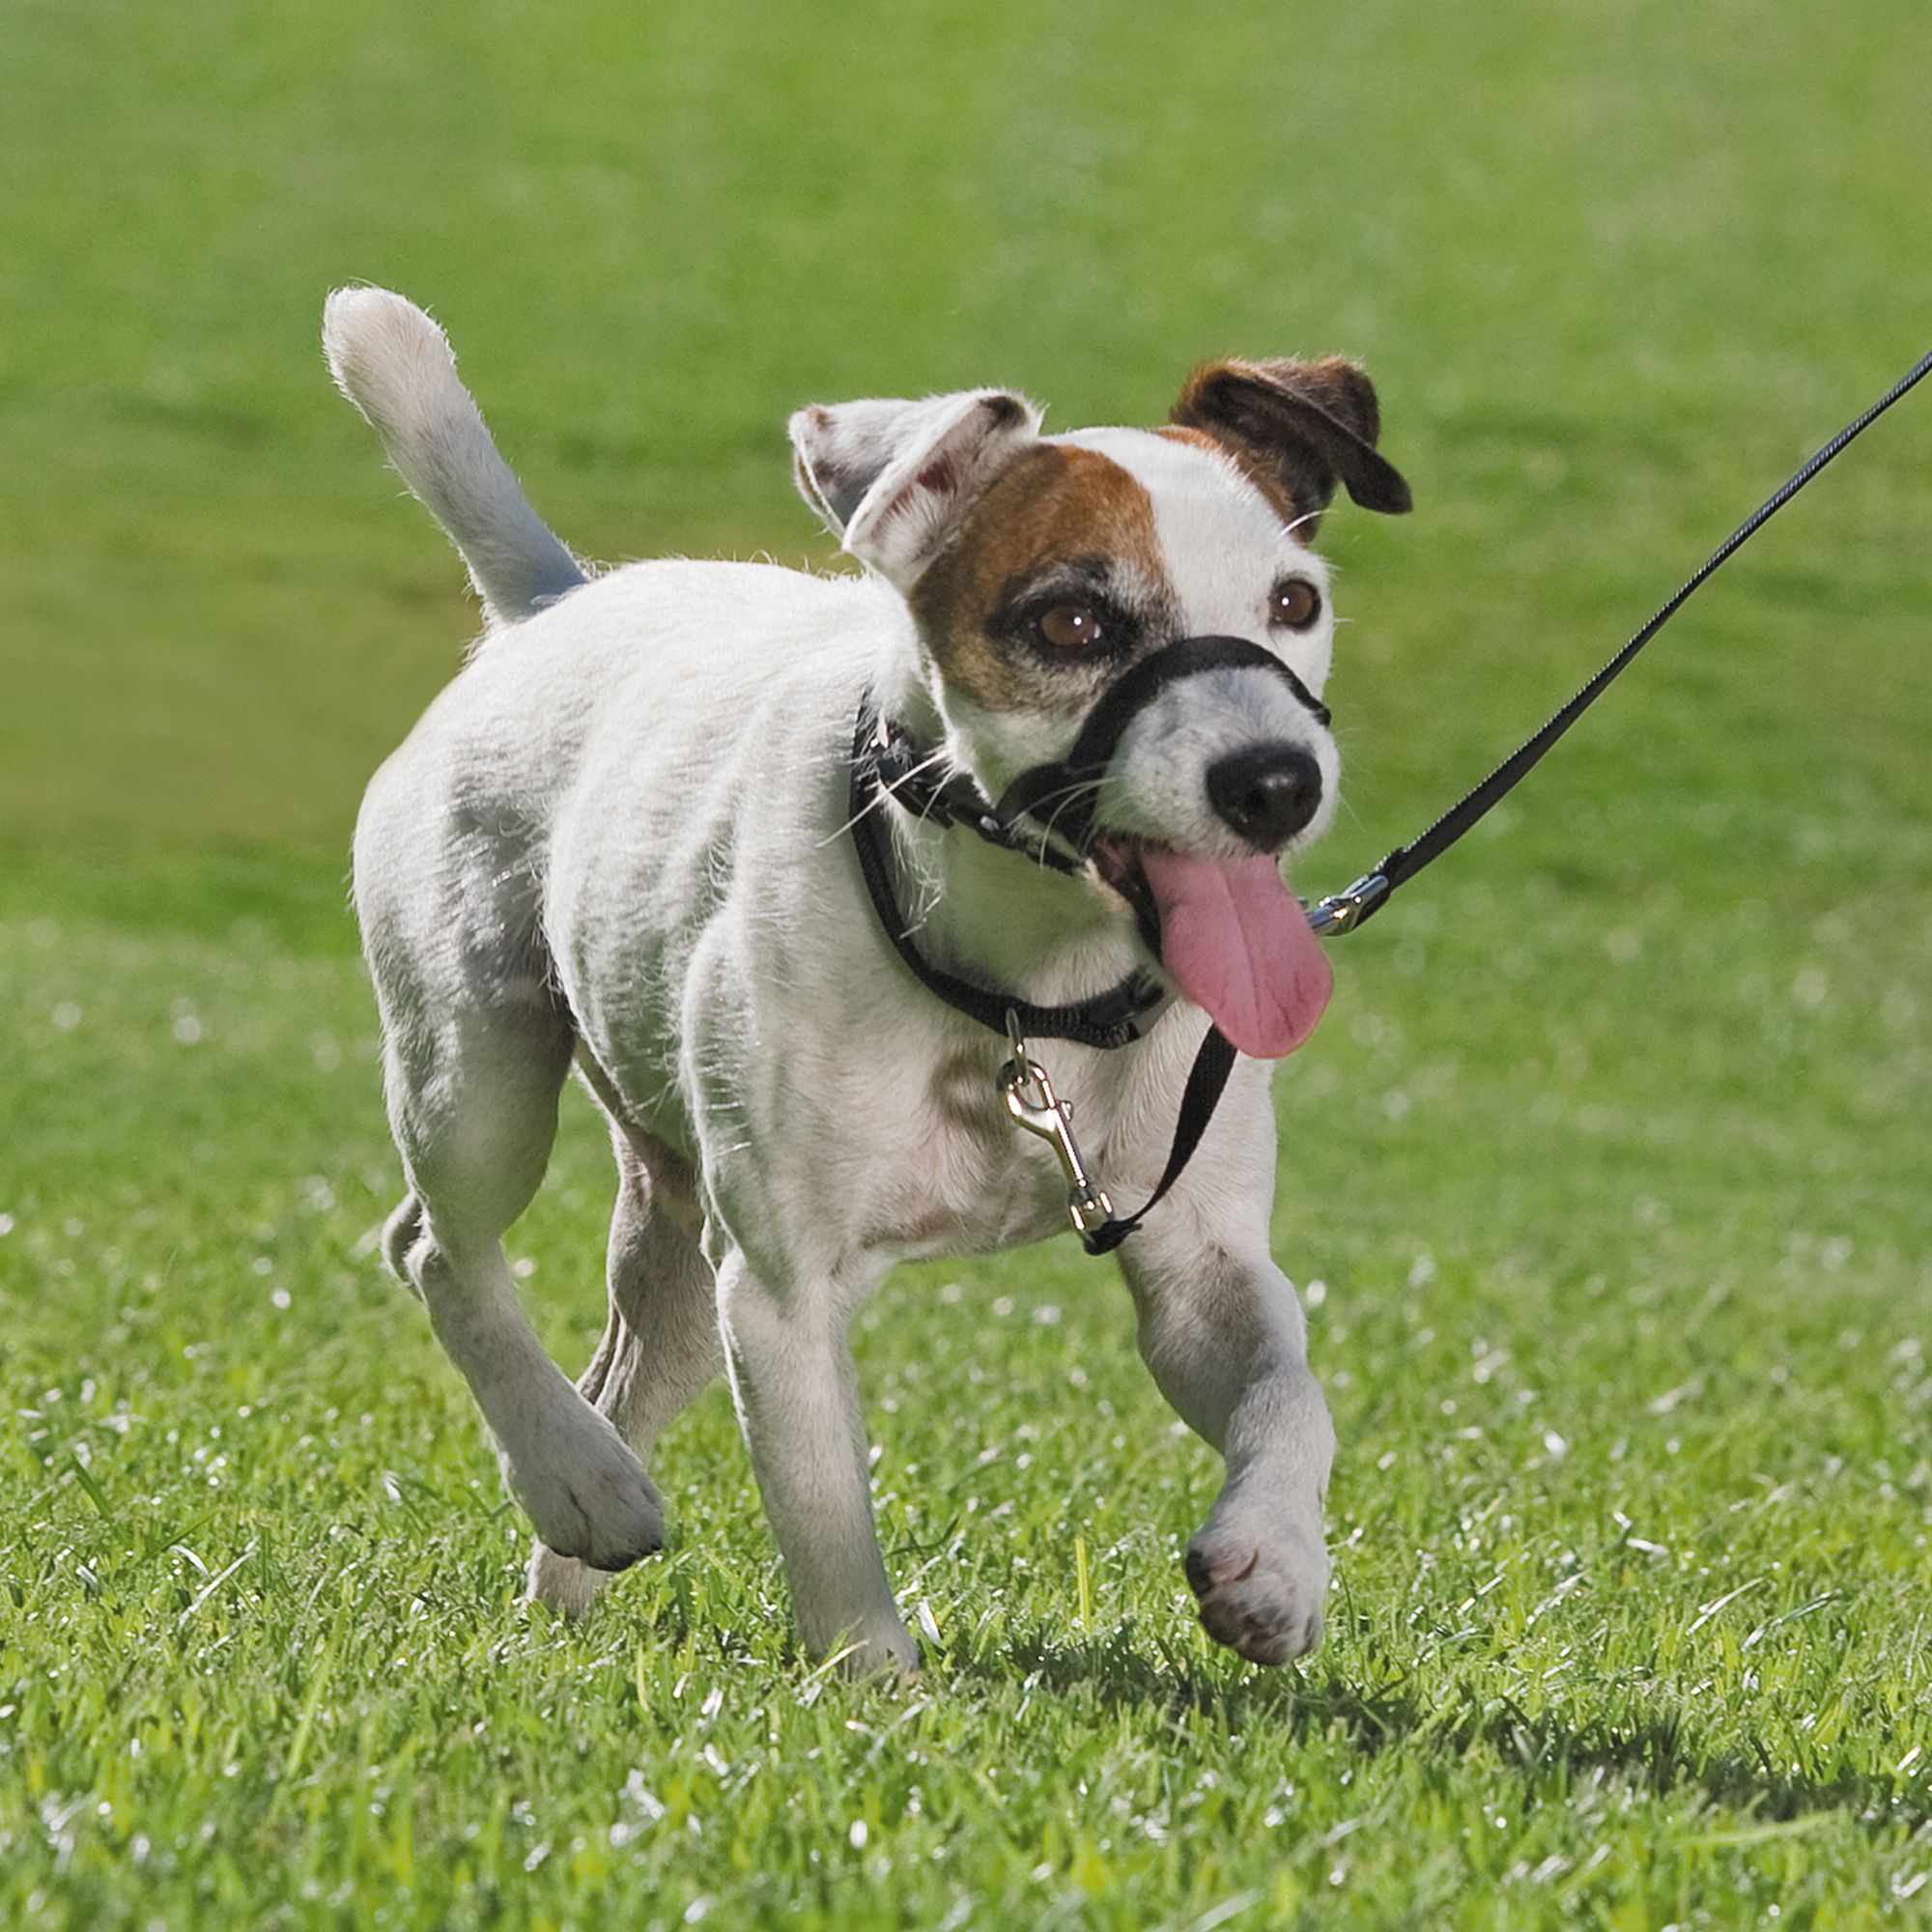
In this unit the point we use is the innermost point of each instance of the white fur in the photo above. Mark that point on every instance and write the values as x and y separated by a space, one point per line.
396 366
890 476
616 840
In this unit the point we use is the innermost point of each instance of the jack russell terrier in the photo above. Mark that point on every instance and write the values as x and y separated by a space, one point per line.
789 867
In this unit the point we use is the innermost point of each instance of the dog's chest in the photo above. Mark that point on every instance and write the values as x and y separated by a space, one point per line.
970 1180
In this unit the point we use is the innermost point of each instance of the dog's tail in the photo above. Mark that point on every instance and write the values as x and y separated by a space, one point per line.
396 366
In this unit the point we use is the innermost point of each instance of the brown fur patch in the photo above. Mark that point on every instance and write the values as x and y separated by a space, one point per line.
1052 504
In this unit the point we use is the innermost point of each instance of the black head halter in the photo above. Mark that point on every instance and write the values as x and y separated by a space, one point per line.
1064 792
1062 796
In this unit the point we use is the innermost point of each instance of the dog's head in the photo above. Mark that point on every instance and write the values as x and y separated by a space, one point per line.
1039 570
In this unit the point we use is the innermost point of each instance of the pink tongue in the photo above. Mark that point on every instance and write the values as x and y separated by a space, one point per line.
1235 938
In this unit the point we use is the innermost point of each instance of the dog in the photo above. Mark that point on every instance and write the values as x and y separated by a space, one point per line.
621 840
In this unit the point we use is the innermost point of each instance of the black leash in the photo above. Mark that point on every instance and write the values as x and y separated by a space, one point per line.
1344 911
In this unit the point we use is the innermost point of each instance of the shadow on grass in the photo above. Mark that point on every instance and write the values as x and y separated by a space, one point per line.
1550 1752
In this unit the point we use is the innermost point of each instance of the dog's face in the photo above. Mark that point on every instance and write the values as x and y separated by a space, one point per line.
1038 570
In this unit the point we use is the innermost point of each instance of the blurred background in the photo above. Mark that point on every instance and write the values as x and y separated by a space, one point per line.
1614 266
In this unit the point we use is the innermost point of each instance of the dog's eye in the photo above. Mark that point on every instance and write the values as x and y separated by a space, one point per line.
1069 627
1294 601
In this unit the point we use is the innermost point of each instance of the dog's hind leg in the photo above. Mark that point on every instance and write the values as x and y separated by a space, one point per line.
661 1344
473 1087
400 1234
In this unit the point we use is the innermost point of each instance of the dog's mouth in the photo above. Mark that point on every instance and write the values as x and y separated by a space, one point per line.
1230 934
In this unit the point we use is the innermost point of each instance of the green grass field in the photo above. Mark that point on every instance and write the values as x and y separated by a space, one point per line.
1606 1177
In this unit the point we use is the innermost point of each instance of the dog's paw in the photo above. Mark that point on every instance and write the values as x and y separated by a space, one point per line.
883 1649
563 1584
589 1498
1260 1597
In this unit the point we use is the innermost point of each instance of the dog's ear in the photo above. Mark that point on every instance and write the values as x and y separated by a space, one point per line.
1299 427
893 479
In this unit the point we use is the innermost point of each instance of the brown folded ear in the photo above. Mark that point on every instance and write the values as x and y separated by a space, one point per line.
1299 428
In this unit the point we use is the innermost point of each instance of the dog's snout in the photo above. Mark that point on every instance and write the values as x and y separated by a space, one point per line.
1267 792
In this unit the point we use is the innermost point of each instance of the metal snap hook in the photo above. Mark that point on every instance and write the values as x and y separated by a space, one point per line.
1031 1100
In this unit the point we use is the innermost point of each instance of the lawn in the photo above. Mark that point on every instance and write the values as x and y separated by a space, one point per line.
1606 1177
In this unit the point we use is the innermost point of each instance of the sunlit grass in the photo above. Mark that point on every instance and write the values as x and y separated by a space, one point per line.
1630 1514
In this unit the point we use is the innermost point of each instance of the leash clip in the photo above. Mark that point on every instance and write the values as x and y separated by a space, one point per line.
1342 912
1031 1102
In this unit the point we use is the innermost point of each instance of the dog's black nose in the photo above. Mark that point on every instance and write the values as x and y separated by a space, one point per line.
1267 794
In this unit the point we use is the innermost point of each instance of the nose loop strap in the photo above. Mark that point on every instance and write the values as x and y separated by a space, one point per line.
1064 792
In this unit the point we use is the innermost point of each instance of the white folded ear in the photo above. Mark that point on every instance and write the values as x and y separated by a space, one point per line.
893 479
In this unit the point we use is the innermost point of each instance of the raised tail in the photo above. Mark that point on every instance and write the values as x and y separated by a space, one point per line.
396 366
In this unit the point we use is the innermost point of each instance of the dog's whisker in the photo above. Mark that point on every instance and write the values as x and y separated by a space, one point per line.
882 792
1064 800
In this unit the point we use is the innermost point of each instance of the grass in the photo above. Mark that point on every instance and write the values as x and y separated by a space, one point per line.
1606 1177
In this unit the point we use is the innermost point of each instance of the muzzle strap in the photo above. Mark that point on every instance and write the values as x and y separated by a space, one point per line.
1063 794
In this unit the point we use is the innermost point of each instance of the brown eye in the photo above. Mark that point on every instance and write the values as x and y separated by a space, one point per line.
1294 601
1069 627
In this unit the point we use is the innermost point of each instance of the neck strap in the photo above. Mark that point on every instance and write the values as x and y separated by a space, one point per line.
1110 1019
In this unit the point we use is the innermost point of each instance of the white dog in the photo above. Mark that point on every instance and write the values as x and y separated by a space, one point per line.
621 840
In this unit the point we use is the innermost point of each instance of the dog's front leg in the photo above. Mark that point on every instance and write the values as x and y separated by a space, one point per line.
797 1392
1222 1332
